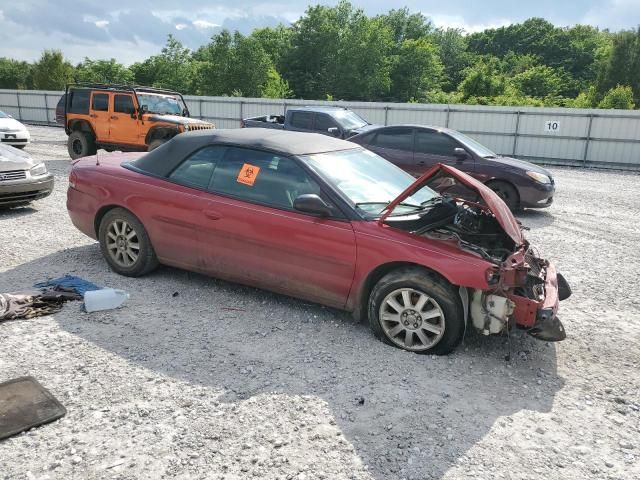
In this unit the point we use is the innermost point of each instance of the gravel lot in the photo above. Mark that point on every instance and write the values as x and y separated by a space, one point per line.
224 381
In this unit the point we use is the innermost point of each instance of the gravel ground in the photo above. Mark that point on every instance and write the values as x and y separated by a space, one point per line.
224 381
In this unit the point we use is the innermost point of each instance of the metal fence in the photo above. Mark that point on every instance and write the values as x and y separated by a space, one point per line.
561 136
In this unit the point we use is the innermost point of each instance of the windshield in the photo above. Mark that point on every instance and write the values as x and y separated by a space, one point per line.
349 119
162 104
369 181
471 144
3 115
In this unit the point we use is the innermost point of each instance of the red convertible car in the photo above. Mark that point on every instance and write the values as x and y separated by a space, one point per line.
325 220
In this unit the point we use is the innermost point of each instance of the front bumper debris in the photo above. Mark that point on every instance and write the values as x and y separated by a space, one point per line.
548 327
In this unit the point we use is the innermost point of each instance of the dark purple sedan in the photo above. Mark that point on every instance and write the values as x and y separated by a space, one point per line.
416 148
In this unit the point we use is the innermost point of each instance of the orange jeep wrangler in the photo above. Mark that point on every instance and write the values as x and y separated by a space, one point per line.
122 117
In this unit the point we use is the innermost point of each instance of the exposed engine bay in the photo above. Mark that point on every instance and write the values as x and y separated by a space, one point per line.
470 225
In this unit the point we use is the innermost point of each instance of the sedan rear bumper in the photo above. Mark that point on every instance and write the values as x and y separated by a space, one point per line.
27 191
17 138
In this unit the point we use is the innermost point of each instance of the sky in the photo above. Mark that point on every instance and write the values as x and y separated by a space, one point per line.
132 30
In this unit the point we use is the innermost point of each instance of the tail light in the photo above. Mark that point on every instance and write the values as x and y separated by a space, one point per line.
73 179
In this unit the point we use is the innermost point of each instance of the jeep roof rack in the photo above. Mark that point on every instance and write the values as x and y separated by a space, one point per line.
117 87
121 87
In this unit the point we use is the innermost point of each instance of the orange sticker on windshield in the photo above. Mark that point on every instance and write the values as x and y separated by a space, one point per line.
248 174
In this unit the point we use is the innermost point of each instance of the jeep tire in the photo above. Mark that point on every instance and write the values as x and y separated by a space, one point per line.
81 144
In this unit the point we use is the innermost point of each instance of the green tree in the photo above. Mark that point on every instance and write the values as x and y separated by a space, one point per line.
618 97
483 79
540 81
14 74
417 69
339 51
622 65
275 86
174 67
405 25
103 71
275 41
52 71
454 57
233 63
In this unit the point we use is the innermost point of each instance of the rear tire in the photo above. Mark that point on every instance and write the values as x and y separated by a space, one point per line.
81 144
125 244
427 317
507 193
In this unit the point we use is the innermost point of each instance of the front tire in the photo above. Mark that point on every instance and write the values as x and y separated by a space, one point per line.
81 144
507 193
125 244
414 309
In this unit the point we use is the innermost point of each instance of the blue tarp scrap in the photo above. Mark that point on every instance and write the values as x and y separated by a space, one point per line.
79 285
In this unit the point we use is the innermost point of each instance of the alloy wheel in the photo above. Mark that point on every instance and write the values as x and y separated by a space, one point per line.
122 243
411 319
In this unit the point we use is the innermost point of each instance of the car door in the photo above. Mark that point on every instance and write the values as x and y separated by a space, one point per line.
124 122
252 234
433 146
175 207
301 121
396 145
323 122
99 115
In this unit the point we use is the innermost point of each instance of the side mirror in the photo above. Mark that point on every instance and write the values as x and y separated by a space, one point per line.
313 204
185 112
144 108
335 131
460 153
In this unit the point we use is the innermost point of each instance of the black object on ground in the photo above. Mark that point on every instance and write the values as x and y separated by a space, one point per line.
25 404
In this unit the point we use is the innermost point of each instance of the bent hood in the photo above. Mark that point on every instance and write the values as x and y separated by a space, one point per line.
493 202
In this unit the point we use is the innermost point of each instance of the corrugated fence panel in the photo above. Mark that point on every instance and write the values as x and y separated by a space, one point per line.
432 115
500 144
555 135
550 148
618 154
627 128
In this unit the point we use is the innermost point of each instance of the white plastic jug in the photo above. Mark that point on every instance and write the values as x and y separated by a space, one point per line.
104 299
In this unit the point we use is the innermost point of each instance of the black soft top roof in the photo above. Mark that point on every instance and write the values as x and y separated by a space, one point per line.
165 158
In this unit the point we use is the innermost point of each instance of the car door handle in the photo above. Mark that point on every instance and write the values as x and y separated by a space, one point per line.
93 115
421 162
212 214
113 117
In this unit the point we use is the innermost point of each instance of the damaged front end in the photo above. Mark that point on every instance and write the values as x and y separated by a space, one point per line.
523 289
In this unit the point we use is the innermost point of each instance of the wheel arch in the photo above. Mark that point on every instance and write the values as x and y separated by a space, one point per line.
102 211
374 277
507 182
161 132
81 125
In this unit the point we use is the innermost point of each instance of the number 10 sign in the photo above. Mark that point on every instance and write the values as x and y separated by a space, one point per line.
552 126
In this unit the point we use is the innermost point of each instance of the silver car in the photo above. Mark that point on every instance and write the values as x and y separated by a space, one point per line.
22 179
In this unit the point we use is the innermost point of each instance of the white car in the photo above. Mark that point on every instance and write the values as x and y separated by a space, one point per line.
12 132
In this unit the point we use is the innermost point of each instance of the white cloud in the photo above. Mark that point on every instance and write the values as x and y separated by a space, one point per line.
101 23
614 14
181 26
457 21
204 24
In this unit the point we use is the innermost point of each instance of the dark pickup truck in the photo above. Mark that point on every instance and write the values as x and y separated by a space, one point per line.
336 121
